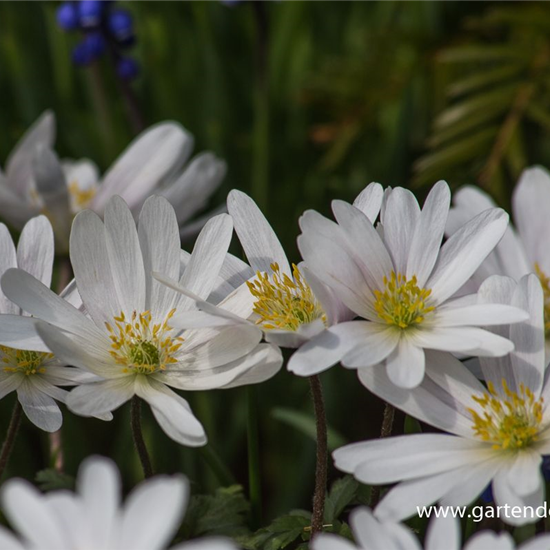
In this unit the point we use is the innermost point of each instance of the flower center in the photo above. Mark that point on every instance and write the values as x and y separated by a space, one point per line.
141 346
545 283
510 421
80 198
284 303
23 361
403 302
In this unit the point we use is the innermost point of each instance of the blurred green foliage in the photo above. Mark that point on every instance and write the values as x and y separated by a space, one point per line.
327 98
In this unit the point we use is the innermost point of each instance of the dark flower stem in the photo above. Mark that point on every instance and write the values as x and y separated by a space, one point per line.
13 428
135 422
254 476
322 455
385 431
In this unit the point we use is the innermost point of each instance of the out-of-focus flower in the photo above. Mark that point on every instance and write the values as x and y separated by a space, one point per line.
127 338
94 516
501 432
36 181
443 534
26 365
520 251
104 27
401 280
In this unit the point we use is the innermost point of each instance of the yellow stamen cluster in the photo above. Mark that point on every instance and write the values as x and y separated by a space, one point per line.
141 346
284 303
545 283
23 361
403 302
510 421
81 197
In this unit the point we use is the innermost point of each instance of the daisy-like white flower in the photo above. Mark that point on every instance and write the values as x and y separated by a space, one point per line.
522 250
153 163
500 432
26 365
288 303
400 280
95 518
443 534
126 335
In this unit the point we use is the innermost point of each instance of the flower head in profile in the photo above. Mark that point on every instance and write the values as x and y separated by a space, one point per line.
27 365
37 182
95 518
401 280
443 533
523 248
500 431
125 333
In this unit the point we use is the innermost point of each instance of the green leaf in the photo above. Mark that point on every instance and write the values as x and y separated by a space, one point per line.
482 79
305 423
282 532
341 493
50 479
482 52
224 513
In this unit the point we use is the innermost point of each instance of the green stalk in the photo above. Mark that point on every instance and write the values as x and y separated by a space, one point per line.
217 465
13 428
137 434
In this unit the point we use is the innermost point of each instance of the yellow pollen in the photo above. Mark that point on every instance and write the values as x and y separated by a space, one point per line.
545 283
23 361
141 346
402 303
510 421
81 197
282 302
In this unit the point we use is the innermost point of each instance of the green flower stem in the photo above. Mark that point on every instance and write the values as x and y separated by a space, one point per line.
254 480
13 428
135 422
322 455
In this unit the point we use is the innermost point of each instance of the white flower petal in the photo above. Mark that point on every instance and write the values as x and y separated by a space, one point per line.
8 259
8 541
443 532
405 365
401 215
92 268
494 541
369 200
101 397
18 164
259 241
40 408
160 245
464 251
29 513
9 383
125 257
154 156
207 257
328 541
529 203
377 343
426 240
172 412
479 315
99 487
208 544
19 332
524 474
151 527
35 250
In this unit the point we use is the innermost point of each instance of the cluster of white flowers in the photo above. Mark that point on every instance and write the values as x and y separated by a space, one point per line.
380 290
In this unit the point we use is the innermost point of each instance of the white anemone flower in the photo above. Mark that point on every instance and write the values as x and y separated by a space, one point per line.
443 534
26 364
500 432
124 332
94 517
288 303
523 250
400 280
153 163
